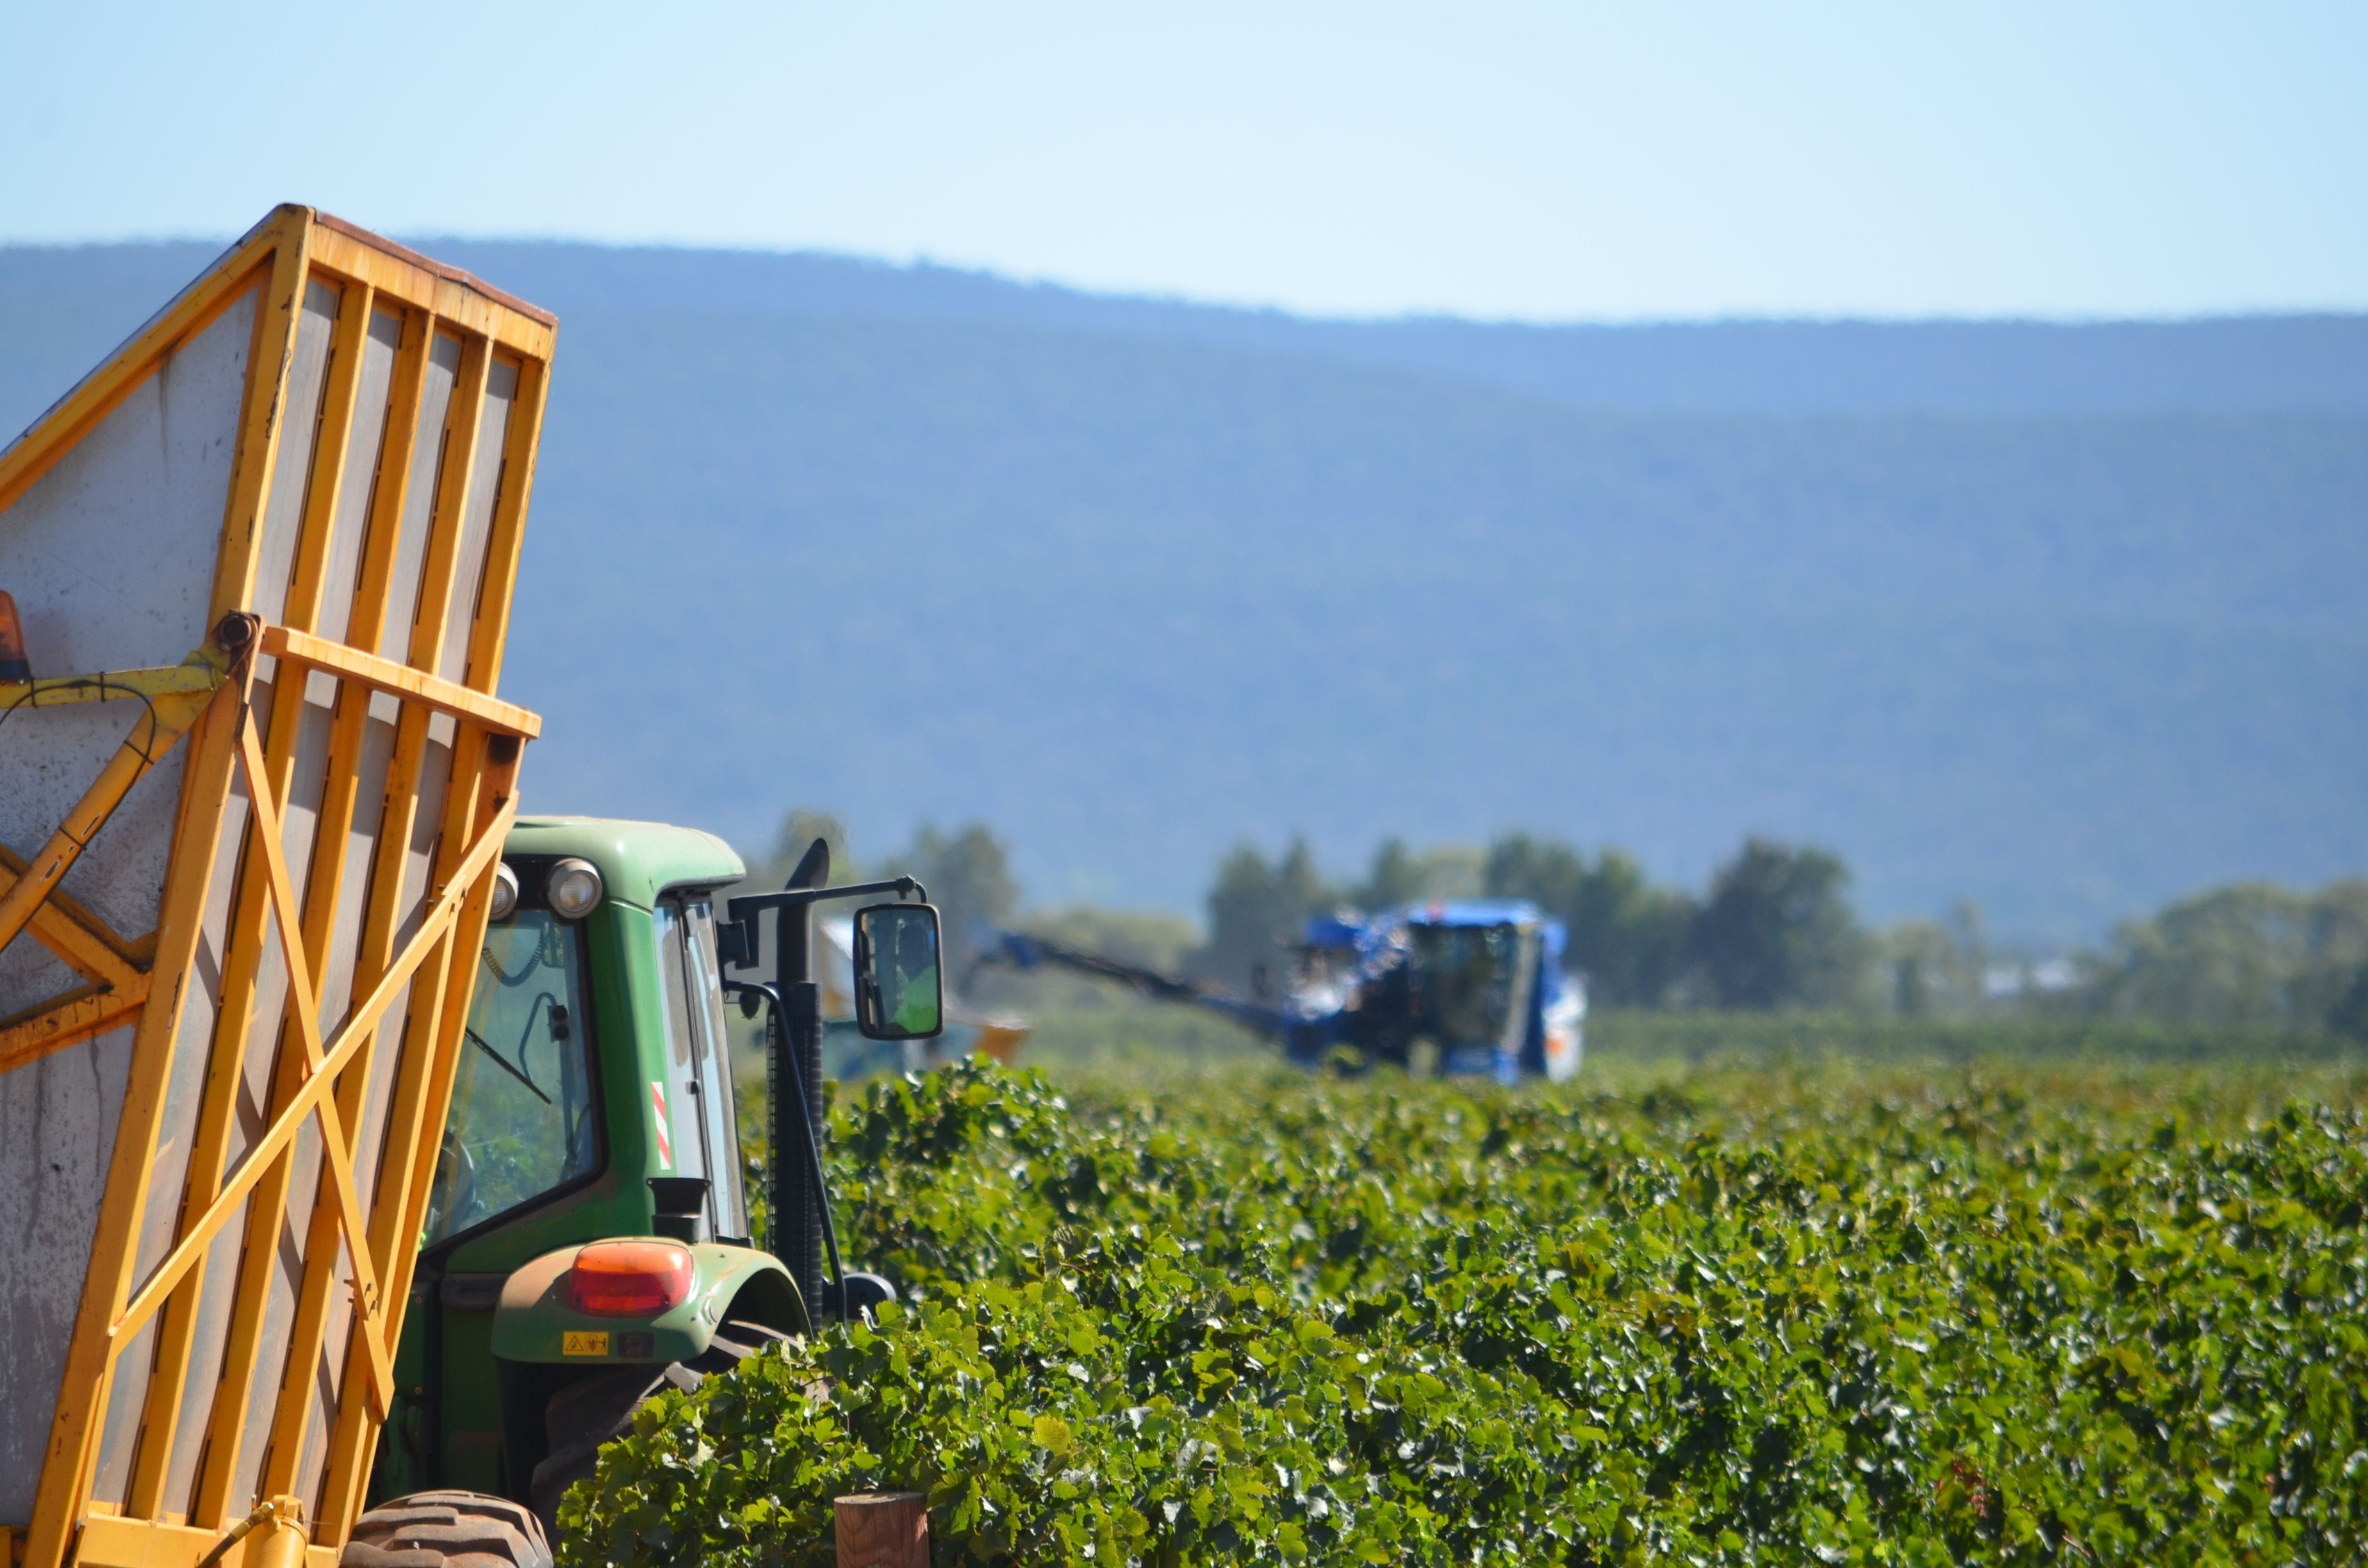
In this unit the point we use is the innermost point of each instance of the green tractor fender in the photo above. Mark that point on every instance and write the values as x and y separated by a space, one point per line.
534 1323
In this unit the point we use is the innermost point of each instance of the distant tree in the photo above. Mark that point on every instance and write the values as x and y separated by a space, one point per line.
1256 908
1546 871
1628 938
800 827
1300 887
2251 954
1632 939
1400 877
2334 984
968 879
1917 953
1777 931
2349 1017
1395 879
1934 968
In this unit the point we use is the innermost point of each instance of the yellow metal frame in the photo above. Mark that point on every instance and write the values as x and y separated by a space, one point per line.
414 946
112 967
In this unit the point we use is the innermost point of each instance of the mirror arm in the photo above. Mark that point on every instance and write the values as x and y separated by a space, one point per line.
742 907
738 951
775 1020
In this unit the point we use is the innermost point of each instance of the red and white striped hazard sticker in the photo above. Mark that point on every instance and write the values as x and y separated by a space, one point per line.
659 1110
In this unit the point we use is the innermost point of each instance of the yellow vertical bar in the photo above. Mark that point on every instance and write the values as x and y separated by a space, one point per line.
330 843
244 946
68 1462
390 485
226 1428
349 1455
453 482
327 482
81 1391
490 637
417 1108
209 1147
258 1247
161 1413
258 428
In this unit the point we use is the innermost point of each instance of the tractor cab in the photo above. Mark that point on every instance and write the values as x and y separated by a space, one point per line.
588 1237
591 1102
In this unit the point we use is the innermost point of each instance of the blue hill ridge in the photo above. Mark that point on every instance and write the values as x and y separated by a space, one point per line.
2063 618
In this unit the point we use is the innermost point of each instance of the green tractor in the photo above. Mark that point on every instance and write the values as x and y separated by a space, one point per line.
588 1240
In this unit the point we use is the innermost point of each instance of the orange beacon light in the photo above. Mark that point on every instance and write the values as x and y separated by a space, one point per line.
14 666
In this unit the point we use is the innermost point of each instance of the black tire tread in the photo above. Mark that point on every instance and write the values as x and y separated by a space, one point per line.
599 1409
447 1530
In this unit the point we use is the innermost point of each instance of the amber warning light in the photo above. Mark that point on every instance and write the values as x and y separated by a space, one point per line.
13 663
630 1279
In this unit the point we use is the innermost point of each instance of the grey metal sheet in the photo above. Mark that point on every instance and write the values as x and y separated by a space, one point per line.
148 483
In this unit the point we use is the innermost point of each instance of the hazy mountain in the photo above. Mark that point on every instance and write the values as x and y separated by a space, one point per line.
2065 619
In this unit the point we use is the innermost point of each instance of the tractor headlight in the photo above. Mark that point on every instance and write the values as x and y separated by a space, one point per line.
573 889
505 891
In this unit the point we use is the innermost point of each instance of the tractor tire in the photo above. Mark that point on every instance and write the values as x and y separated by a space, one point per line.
447 1530
599 1409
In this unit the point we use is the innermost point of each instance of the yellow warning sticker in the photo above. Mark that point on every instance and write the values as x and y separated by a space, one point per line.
571 1343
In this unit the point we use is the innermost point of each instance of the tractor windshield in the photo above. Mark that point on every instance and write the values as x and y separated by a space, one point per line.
1468 981
522 1120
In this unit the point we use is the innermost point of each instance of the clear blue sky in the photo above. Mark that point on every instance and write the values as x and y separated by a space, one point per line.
1537 161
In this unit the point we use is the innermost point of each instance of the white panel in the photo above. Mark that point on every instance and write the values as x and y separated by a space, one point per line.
361 479
30 973
191 1046
57 1131
111 557
148 485
485 481
419 500
205 1366
201 1004
289 1229
376 754
292 472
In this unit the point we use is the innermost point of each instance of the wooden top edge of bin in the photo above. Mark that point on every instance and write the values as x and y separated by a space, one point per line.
467 281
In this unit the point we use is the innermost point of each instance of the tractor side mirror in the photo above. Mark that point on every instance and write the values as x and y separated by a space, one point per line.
900 991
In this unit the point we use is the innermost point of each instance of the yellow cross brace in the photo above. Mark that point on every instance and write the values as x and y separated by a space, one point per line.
173 695
323 1067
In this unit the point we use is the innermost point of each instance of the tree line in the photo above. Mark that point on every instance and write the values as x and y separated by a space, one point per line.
1772 929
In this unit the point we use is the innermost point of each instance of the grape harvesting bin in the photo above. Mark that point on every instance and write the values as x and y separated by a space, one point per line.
259 565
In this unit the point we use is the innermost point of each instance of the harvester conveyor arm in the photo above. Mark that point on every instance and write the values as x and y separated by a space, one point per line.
1016 950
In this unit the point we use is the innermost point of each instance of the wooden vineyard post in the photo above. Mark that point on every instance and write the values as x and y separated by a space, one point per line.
883 1530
